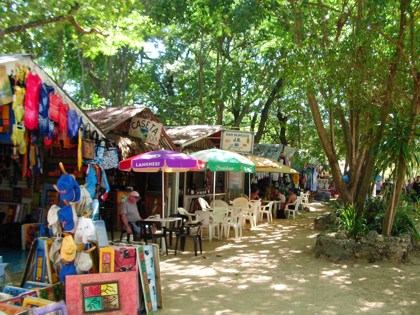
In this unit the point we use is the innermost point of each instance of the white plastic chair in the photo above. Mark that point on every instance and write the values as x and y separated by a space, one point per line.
233 220
240 201
204 204
250 213
305 199
208 223
293 208
268 211
219 203
191 216
220 214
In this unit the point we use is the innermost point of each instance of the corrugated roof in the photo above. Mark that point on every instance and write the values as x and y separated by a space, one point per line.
184 136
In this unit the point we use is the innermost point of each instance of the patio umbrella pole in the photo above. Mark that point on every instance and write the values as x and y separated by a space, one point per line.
214 186
249 186
163 194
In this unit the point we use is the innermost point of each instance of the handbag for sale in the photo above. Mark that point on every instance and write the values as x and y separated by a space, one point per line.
88 144
110 158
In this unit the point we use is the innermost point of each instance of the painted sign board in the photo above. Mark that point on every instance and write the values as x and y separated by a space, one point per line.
147 130
238 141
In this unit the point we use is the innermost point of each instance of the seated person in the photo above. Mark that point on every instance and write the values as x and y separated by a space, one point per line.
292 198
275 194
255 194
281 214
130 214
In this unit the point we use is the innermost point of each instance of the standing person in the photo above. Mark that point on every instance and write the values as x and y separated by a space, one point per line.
130 213
378 187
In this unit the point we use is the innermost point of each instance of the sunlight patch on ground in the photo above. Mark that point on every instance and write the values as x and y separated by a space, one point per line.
281 287
370 306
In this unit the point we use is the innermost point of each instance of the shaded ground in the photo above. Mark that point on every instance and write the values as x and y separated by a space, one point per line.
272 270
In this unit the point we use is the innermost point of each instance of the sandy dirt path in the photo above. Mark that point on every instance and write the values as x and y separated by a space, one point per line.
273 270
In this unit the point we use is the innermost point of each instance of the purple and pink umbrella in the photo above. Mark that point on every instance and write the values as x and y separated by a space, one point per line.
164 161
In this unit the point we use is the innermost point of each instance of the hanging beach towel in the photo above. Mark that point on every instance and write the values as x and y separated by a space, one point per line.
72 123
33 90
55 104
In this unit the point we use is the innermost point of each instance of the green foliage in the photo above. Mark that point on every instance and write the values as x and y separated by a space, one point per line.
404 224
373 213
404 221
348 221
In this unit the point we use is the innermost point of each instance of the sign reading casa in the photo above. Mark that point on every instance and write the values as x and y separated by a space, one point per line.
147 130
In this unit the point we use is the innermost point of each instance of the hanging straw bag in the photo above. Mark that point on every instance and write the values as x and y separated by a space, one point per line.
88 144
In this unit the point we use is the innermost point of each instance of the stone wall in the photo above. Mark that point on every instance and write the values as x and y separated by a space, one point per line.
374 247
336 246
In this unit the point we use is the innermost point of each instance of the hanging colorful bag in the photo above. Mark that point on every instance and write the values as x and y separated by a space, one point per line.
88 145
110 158
72 123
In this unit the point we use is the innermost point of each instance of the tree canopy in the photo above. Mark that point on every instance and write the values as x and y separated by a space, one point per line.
338 80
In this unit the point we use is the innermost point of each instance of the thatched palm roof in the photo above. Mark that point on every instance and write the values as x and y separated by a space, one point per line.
115 123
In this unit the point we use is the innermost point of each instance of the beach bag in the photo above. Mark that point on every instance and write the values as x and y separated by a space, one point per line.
72 123
110 158
88 144
100 149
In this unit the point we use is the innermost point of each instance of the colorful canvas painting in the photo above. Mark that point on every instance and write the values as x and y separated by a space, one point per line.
125 259
35 284
105 293
31 301
147 299
16 300
51 271
150 269
58 308
106 260
101 297
15 291
159 299
54 292
10 309
29 231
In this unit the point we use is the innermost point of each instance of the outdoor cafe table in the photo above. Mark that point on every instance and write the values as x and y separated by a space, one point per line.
163 222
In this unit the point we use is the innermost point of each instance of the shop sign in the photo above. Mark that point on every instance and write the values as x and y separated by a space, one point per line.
147 130
238 141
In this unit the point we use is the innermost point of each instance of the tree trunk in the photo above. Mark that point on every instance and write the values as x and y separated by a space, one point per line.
329 150
267 105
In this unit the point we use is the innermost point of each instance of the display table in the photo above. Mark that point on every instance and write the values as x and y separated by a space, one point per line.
191 204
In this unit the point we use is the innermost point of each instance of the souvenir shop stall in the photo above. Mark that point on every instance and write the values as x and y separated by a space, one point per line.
76 270
53 163
41 127
314 178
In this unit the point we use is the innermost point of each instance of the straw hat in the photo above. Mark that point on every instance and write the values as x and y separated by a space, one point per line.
68 248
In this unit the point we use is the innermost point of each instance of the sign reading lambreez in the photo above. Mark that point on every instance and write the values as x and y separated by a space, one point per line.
238 141
147 130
